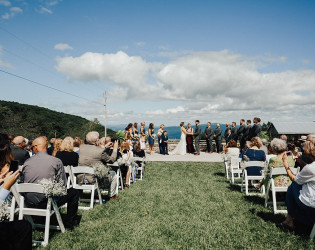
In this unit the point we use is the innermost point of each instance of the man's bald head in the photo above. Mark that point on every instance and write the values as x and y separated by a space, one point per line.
40 144
18 141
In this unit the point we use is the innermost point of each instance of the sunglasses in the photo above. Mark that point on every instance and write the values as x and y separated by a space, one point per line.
33 146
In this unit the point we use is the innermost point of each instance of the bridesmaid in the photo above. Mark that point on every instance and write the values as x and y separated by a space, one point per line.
142 136
189 139
135 134
151 137
128 131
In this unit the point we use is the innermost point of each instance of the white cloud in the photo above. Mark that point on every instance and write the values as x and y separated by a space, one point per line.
44 10
200 83
62 46
140 44
3 63
5 3
13 11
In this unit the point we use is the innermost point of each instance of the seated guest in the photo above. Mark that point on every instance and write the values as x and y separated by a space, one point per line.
254 153
51 148
77 144
126 155
232 149
300 195
91 153
264 146
102 143
279 147
57 144
66 154
270 153
43 166
304 159
14 234
6 156
137 151
18 152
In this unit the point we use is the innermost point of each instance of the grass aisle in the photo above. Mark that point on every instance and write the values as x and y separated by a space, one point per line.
180 205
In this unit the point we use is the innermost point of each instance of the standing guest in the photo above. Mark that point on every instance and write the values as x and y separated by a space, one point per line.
18 152
76 144
51 147
209 137
43 166
189 139
300 195
234 131
240 134
159 134
197 137
151 137
57 145
128 131
227 128
164 143
254 153
218 138
91 154
66 154
135 134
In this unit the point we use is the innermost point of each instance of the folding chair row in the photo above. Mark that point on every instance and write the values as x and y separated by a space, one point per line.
274 189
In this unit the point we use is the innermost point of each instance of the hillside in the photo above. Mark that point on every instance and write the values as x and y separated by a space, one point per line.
32 121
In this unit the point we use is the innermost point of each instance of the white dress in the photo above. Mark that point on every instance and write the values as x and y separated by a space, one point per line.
181 146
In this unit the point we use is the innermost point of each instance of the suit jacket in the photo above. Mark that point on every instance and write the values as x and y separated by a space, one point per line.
209 132
240 132
89 156
226 131
164 139
197 131
217 133
255 131
19 154
246 134
233 133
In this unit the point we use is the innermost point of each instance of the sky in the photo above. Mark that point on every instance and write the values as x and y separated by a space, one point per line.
161 61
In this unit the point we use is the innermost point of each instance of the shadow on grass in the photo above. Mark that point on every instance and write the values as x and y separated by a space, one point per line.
255 199
235 188
219 174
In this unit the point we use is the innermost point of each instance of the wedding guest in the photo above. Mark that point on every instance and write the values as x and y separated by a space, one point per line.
246 135
254 153
283 137
137 151
264 145
77 144
151 138
57 145
91 154
209 137
234 131
189 139
164 143
159 134
218 138
66 154
255 130
142 136
18 152
240 134
228 136
304 159
50 149
43 166
135 134
125 153
128 130
232 149
6 156
300 194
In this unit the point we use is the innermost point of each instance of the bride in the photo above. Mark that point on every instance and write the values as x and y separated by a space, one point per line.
181 146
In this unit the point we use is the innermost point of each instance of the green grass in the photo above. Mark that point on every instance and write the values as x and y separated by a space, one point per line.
180 205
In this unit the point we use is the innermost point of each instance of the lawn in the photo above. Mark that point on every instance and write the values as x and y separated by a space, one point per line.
180 205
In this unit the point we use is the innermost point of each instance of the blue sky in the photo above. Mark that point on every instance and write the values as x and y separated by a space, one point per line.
162 61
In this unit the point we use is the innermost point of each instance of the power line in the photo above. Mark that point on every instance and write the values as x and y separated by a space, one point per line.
46 86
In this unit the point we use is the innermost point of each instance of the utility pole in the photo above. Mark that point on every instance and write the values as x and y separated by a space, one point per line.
105 103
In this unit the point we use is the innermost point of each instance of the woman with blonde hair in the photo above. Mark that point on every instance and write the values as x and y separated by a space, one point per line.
66 154
57 144
126 156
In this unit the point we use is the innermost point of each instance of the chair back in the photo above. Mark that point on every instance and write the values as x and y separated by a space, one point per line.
29 188
82 170
235 162
282 171
254 164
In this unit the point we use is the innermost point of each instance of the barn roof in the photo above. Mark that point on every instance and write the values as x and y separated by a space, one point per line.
301 128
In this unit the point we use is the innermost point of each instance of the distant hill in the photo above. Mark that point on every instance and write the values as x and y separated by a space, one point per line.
32 121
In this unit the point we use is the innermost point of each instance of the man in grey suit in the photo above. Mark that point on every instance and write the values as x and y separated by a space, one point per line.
218 138
240 133
197 137
209 137
234 131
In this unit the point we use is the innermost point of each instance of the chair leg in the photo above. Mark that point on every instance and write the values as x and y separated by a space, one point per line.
267 194
58 216
99 195
312 235
12 209
21 208
274 199
92 197
47 223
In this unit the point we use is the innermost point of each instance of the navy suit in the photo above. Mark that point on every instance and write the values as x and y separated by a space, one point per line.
164 144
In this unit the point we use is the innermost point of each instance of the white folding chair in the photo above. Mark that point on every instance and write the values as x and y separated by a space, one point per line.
118 174
24 211
85 187
142 166
312 235
253 178
226 168
235 168
68 171
274 189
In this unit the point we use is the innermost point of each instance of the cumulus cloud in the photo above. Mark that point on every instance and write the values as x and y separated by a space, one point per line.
62 46
5 3
205 82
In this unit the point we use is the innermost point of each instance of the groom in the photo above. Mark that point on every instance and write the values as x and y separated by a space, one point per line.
197 137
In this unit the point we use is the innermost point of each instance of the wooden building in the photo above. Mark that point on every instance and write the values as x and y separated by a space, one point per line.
293 130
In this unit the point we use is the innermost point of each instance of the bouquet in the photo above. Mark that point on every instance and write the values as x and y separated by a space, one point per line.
53 188
153 135
100 171
4 211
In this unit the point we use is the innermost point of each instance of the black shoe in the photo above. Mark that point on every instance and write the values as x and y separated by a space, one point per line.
68 225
